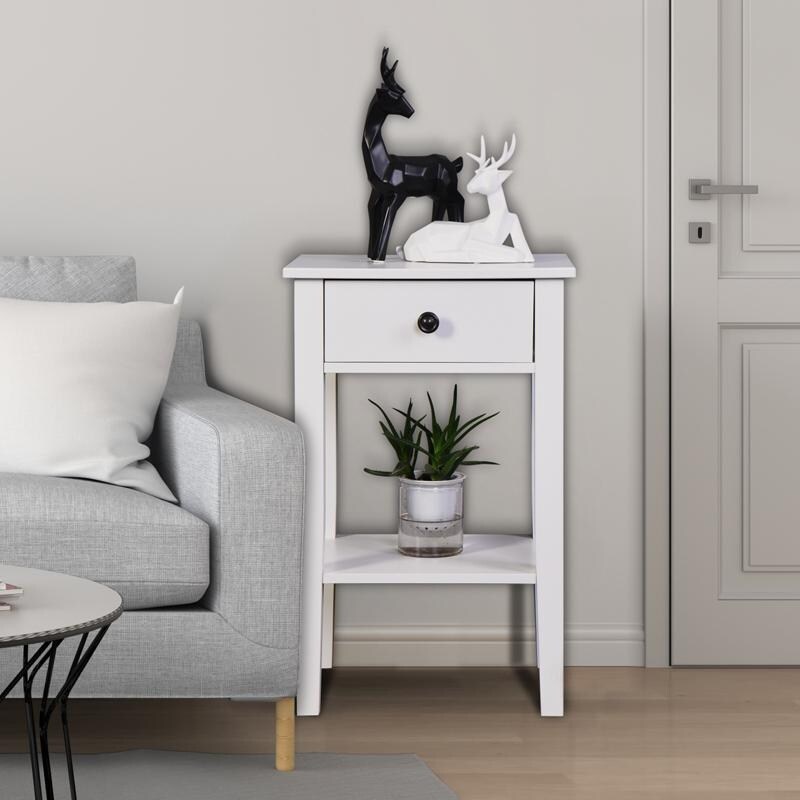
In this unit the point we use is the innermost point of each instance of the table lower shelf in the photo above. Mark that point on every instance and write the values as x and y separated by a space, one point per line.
373 558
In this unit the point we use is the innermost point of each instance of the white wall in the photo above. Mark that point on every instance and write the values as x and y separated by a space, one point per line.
214 140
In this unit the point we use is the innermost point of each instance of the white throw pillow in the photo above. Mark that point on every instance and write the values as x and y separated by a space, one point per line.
80 385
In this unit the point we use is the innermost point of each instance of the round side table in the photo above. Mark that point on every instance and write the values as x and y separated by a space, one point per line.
54 607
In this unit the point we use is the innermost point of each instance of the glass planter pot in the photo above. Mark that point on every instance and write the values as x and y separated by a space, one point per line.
431 517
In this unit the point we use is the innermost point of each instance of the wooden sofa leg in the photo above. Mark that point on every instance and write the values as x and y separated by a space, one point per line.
284 734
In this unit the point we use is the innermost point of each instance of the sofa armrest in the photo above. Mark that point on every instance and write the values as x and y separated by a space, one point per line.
241 469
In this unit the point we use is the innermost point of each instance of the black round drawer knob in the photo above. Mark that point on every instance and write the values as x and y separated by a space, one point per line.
428 322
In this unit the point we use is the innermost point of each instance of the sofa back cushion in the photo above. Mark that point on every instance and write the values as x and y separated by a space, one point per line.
68 279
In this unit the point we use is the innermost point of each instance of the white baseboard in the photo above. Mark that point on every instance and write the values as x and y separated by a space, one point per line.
587 645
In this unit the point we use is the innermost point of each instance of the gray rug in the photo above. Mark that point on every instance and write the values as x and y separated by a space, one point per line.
162 775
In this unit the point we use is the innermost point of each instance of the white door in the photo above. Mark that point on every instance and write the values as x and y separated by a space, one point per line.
736 333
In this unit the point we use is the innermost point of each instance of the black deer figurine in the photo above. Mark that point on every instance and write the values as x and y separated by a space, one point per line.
394 178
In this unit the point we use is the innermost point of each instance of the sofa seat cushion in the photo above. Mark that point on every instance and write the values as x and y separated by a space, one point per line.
152 552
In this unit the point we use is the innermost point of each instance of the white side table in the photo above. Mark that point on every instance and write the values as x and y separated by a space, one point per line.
352 316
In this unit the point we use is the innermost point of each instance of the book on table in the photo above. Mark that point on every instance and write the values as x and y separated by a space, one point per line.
8 594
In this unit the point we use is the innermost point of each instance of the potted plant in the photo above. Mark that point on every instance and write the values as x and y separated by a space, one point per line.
431 497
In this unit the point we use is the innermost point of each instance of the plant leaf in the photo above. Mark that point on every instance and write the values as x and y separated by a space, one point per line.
453 406
435 427
414 445
417 422
385 416
470 426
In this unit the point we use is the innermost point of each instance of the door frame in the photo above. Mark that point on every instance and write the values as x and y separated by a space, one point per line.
656 23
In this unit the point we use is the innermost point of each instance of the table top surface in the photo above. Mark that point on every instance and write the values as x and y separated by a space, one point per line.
54 606
359 267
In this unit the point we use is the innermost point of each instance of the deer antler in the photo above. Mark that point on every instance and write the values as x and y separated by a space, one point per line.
507 152
387 73
482 160
492 162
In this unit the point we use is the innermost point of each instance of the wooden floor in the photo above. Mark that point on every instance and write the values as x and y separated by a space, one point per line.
628 733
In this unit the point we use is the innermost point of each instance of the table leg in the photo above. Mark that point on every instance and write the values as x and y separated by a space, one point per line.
548 493
40 758
309 414
30 724
65 720
43 740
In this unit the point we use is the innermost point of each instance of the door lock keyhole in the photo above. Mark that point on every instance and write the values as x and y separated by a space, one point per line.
699 232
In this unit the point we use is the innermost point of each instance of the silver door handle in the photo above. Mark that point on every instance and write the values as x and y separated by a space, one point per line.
703 189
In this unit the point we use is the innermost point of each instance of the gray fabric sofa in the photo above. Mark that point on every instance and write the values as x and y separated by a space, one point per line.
211 587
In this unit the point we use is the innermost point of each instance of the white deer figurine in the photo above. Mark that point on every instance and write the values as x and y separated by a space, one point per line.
482 241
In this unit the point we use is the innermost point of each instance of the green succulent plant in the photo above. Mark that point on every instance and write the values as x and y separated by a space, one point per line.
443 446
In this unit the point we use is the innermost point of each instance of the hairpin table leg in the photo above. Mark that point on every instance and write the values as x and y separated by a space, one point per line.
38 742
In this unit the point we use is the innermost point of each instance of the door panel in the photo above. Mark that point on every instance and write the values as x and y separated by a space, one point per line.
736 335
760 439
770 123
759 136
771 442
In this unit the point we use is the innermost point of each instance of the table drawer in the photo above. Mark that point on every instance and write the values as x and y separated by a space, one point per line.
479 321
